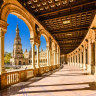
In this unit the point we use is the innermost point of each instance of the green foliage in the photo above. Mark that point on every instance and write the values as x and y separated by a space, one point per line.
23 55
7 67
7 58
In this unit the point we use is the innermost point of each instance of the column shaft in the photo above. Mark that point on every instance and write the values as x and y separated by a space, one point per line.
33 56
81 65
95 54
2 68
54 57
47 57
38 63
89 57
84 58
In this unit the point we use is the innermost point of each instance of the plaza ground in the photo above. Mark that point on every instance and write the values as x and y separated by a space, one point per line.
68 81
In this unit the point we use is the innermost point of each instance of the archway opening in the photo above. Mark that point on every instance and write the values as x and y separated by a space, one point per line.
43 52
17 43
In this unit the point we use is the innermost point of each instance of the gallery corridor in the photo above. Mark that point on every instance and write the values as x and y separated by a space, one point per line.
68 81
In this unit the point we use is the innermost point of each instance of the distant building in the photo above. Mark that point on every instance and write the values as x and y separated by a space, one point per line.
17 55
18 58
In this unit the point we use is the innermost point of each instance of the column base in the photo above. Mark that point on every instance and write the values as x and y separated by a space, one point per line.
74 64
93 85
84 67
77 65
81 66
93 70
89 68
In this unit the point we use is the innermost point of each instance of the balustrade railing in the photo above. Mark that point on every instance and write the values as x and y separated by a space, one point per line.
10 78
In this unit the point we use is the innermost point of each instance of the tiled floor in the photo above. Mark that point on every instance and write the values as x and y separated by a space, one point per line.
68 81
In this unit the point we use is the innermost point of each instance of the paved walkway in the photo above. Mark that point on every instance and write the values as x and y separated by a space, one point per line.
68 81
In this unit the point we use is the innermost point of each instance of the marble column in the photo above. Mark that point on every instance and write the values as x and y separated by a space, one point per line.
70 60
81 66
95 58
95 52
93 84
2 34
33 55
78 59
47 56
89 56
54 57
74 60
92 58
57 58
84 58
38 63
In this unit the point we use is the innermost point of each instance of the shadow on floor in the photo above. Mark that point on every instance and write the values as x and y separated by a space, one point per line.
12 90
15 90
59 84
61 90
20 88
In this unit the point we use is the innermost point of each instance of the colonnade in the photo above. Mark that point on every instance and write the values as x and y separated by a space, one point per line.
36 30
84 56
52 56
50 53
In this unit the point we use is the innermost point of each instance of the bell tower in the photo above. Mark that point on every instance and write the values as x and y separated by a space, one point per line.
17 49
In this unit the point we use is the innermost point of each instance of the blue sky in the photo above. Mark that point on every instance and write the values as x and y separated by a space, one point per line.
13 20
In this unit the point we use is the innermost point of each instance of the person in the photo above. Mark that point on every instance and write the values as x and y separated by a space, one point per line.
25 68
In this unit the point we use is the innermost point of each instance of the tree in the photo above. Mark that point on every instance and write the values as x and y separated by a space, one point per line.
7 58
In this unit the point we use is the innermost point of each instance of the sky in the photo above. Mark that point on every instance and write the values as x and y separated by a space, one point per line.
24 32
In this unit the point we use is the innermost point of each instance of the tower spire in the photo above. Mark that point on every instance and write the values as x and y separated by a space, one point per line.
17 29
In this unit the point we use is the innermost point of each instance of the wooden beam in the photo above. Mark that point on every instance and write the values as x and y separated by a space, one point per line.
68 8
72 29
73 39
63 44
69 45
70 38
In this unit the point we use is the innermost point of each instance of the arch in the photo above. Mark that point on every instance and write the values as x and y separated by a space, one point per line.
20 13
45 35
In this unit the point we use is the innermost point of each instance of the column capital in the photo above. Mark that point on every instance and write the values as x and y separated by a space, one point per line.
48 48
3 24
34 41
38 45
2 32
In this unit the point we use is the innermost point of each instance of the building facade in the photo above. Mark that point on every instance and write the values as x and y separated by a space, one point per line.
17 55
20 58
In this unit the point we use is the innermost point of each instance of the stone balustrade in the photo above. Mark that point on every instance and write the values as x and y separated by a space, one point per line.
11 78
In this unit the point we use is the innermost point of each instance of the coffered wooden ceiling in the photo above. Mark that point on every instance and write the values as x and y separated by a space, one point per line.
67 20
